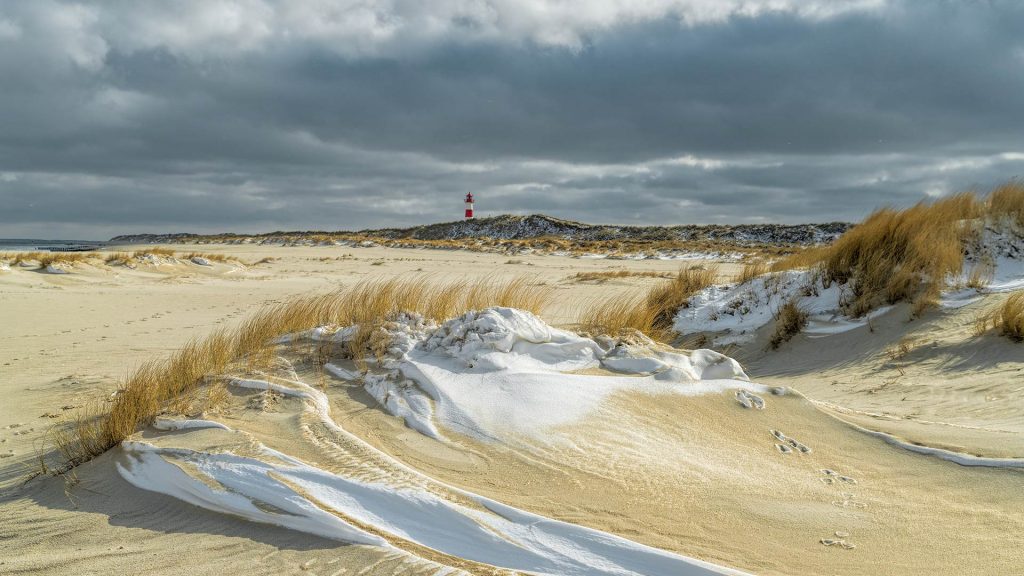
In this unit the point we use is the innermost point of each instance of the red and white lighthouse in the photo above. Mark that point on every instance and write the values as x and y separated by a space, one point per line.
469 204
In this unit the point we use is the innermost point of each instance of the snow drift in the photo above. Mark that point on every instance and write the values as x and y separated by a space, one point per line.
504 374
497 375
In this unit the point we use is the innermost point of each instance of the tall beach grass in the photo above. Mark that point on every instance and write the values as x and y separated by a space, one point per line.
159 384
911 254
650 312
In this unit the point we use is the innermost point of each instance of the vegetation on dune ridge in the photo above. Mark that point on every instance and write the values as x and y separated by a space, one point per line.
911 254
602 276
538 226
752 269
45 259
1011 317
1007 318
545 244
650 312
790 320
175 382
513 235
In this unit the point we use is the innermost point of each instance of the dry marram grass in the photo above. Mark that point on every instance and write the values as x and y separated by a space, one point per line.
174 383
1007 318
790 319
603 276
1007 203
1011 317
649 312
752 269
44 259
909 255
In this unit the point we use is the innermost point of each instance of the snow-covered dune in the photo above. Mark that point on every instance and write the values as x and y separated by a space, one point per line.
502 373
733 313
498 392
274 488
494 375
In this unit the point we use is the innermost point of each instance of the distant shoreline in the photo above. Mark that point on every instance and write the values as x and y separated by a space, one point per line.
509 227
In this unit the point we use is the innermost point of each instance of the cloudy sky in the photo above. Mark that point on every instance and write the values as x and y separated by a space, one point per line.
255 115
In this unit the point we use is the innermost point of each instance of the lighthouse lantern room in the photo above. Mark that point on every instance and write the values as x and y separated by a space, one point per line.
469 204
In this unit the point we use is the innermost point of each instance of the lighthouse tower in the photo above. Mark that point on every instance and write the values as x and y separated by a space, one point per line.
469 204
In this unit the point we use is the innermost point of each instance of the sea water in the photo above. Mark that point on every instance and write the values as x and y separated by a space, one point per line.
31 244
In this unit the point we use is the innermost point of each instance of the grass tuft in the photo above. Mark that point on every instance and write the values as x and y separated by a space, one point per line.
790 319
1007 318
752 269
44 259
212 257
650 312
1011 317
1006 203
600 277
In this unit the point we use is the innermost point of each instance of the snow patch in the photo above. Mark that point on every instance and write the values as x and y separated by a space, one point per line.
334 334
496 534
273 488
504 374
1000 257
736 311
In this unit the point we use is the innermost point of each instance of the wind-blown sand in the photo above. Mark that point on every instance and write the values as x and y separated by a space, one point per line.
697 476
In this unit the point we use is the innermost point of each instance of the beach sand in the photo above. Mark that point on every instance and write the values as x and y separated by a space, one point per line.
700 476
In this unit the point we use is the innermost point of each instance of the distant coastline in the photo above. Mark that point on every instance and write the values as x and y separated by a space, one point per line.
513 227
23 244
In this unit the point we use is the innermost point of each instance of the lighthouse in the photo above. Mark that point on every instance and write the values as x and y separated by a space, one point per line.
469 204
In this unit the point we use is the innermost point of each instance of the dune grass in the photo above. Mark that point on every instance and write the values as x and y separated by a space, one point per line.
45 259
1007 318
1006 203
169 384
602 276
1011 317
790 319
56 258
212 257
114 258
752 269
650 312
911 254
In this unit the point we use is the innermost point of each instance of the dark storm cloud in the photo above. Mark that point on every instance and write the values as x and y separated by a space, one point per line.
252 115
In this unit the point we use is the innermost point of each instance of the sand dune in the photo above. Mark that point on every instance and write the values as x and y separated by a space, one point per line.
499 443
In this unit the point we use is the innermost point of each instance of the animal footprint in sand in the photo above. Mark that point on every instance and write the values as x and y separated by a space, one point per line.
788 445
839 541
265 401
849 501
831 477
748 400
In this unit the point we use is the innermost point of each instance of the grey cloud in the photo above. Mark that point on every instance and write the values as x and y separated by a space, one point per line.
120 117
